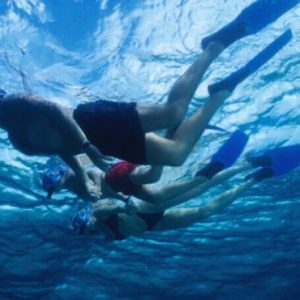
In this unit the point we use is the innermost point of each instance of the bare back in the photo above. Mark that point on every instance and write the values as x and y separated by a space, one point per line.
30 124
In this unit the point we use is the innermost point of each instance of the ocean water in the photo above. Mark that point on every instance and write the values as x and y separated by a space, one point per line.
73 51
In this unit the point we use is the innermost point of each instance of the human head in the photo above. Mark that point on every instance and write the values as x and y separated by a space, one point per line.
82 219
53 178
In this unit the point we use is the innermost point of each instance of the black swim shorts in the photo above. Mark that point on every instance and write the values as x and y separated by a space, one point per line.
114 128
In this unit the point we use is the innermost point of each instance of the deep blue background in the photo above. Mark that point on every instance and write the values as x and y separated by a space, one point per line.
74 51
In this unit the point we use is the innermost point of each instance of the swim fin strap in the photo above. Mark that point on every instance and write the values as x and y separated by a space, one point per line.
227 155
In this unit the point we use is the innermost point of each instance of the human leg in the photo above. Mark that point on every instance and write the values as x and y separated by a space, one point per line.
253 65
175 151
178 193
223 158
158 196
250 21
275 162
200 189
171 113
183 217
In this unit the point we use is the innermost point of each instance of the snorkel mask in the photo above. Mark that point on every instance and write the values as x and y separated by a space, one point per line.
81 219
53 177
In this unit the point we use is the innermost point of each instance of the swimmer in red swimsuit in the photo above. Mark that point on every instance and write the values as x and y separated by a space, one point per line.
118 221
151 210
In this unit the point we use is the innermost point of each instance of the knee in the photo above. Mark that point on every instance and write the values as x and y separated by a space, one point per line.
175 114
177 158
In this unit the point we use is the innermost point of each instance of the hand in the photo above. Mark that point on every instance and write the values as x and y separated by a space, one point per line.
131 207
92 192
97 157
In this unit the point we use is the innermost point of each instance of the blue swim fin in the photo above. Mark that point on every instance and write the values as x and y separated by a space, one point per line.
276 162
250 21
226 156
253 65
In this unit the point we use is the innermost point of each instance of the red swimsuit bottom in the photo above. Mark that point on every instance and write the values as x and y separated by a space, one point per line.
118 179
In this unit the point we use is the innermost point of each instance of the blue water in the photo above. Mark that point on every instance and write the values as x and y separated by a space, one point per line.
73 51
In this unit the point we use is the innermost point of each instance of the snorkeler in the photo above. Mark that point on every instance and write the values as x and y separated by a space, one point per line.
125 130
118 221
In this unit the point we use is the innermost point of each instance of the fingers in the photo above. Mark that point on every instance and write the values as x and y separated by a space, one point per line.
93 193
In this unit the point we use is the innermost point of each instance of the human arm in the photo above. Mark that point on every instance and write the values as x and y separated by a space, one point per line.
96 157
90 190
77 138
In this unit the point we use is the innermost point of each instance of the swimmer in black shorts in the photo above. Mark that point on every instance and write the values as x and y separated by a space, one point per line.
126 130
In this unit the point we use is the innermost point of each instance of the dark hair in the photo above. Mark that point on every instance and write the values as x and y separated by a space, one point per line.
13 109
12 112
